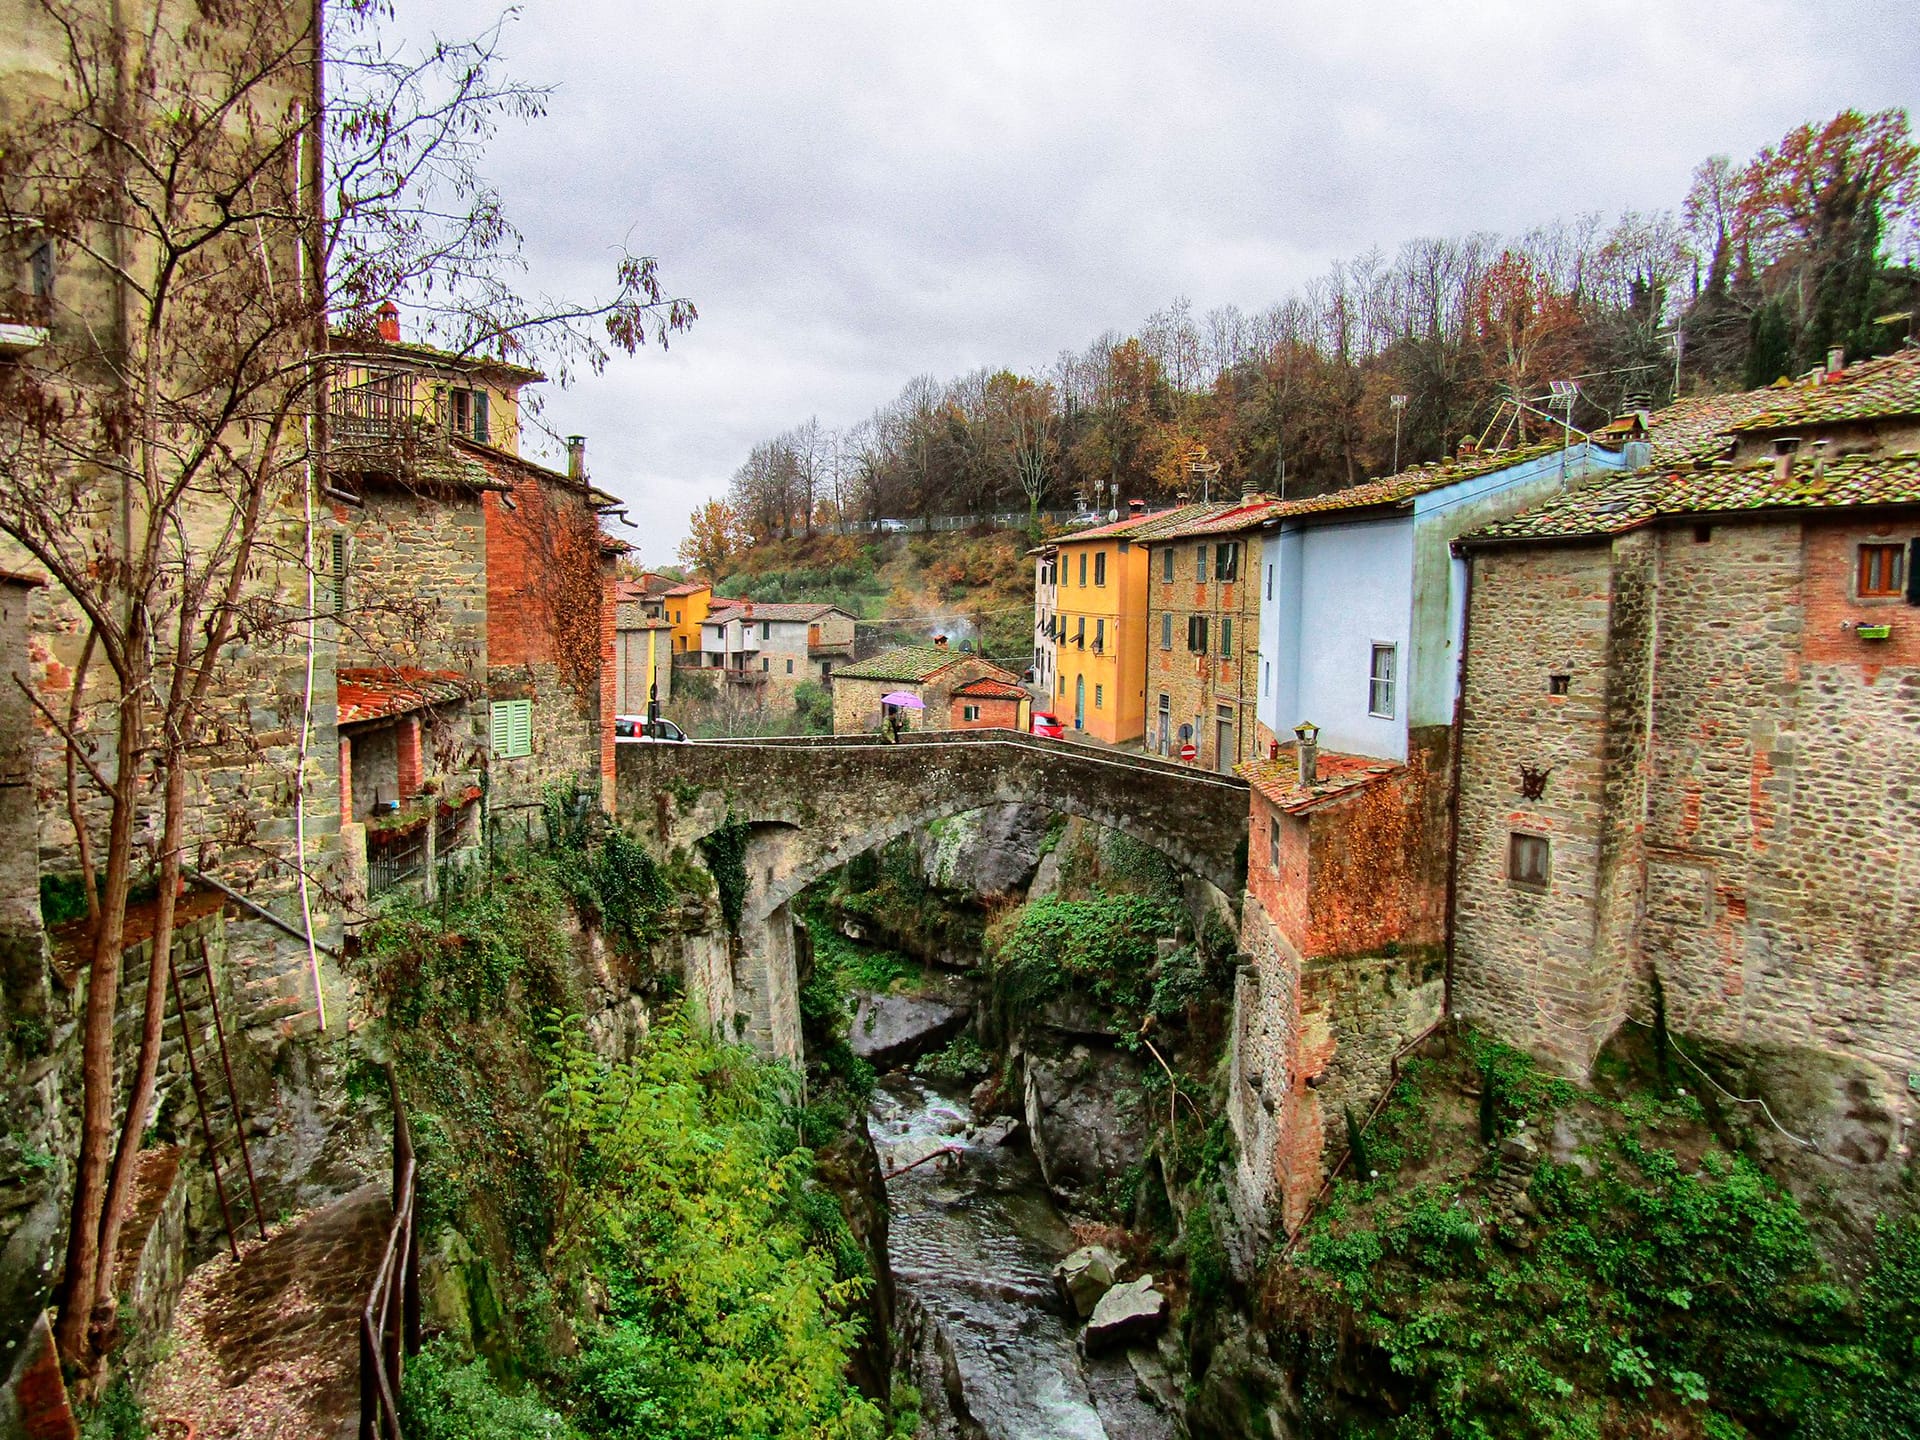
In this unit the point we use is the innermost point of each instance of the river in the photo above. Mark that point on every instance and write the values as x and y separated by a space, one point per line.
974 1239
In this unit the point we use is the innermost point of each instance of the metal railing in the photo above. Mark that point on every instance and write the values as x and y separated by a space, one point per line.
390 1323
396 861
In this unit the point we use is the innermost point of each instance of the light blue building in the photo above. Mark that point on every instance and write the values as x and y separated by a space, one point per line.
1363 603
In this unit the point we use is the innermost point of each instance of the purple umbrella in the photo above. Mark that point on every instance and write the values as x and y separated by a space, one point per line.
904 700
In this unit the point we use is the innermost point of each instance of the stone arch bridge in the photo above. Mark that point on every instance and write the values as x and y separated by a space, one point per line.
814 803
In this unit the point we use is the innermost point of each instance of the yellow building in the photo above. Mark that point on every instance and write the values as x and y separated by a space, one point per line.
685 608
1091 609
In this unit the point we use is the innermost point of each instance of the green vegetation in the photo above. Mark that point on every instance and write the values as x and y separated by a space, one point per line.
1104 946
656 1257
1652 1282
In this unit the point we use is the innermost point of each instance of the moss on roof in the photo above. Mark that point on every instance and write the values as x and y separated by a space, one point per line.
1711 488
1871 390
909 662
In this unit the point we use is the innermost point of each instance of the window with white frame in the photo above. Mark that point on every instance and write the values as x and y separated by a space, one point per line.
1380 682
1529 861
1200 564
1166 627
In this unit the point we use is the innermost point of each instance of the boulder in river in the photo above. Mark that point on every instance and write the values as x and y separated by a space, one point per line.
1086 1275
1125 1313
1084 1117
988 853
891 1029
997 1131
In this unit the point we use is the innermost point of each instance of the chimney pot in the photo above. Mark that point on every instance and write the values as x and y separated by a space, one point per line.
1469 446
1836 359
939 642
387 318
1136 507
576 457
1783 448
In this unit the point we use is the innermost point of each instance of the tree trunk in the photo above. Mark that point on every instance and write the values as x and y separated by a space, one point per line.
146 1067
79 1283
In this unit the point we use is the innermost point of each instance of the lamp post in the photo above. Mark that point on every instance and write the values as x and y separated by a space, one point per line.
1398 404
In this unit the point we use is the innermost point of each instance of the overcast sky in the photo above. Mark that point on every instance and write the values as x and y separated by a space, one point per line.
854 193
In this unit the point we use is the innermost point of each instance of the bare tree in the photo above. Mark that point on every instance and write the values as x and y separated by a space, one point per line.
161 455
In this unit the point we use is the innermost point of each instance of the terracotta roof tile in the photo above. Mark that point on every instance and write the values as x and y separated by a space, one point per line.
1338 774
758 610
1870 390
381 692
987 687
1709 488
913 663
1417 480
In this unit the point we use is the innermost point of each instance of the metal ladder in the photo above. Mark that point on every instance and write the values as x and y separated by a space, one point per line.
235 1142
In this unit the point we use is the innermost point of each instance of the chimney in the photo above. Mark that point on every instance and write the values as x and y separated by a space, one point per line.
1836 360
1820 459
1307 750
939 642
576 457
1136 508
1468 446
1783 448
1249 486
1184 497
387 319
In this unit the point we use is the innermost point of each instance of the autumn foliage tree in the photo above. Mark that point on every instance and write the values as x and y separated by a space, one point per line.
714 536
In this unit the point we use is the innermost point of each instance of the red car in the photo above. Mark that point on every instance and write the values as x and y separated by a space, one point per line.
1048 725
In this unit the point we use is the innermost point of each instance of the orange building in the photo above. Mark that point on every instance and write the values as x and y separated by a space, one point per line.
1090 610
685 607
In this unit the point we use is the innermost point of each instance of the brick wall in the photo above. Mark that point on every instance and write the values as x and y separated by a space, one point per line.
1196 686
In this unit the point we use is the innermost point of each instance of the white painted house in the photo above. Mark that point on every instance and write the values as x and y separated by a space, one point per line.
1362 600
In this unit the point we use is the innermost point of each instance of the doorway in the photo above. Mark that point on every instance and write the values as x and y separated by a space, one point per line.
1079 702
1223 739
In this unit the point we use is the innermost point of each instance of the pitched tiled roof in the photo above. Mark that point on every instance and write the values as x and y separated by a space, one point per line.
1415 481
504 464
381 692
757 610
1870 390
987 687
1245 513
1135 527
1337 775
913 663
1695 427
1628 501
691 587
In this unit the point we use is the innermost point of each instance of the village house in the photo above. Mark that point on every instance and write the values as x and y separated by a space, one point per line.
643 648
1203 634
761 643
933 674
685 606
989 703
461 571
1688 729
1090 615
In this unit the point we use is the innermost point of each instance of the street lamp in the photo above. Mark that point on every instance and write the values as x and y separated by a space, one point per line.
1398 404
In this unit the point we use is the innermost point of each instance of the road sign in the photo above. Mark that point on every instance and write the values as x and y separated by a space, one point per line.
1189 754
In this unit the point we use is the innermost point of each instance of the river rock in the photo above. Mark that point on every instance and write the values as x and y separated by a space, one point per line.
1084 1276
997 1131
1124 1314
989 853
1084 1117
891 1029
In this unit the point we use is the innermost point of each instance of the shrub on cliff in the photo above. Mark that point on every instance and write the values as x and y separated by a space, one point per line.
1104 946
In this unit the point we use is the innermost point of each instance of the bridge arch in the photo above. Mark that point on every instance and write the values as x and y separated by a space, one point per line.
816 803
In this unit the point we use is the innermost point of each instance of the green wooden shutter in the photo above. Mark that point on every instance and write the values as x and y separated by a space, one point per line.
497 715
520 728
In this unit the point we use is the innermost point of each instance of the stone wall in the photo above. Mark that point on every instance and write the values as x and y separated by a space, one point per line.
416 581
1729 808
1196 686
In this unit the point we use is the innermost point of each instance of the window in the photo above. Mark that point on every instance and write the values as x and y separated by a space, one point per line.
1080 635
766 629
1226 561
512 726
765 664
1063 684
1266 677
1166 565
1529 861
789 667
1559 684
470 414
1099 636
1166 627
1380 683
340 553
1703 534
1226 636
1099 695
1200 564
826 669
1100 568
40 272
1083 569
1269 582
969 712
1273 844
1197 634
1882 570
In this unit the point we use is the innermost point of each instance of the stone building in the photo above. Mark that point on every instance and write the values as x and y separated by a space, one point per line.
1688 736
930 672
643 646
1203 634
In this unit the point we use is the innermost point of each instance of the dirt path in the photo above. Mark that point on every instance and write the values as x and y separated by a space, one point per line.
268 1349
